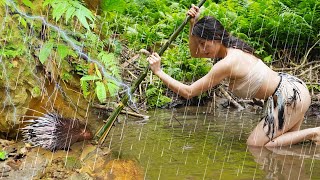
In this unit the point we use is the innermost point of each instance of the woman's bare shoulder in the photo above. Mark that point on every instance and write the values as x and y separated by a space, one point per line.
233 56
236 55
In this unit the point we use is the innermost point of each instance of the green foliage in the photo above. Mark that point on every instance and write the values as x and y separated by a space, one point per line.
268 59
36 91
70 8
110 63
155 97
85 88
113 88
13 50
113 5
178 64
64 51
3 2
101 91
159 18
80 68
103 84
28 3
66 76
45 52
3 155
268 25
314 86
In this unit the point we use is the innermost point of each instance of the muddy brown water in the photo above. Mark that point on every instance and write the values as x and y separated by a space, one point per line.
191 143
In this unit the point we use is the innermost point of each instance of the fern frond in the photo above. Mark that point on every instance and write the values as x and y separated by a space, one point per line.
110 63
70 8
85 88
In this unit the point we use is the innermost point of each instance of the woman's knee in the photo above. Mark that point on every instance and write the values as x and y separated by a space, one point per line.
271 144
255 140
258 136
251 142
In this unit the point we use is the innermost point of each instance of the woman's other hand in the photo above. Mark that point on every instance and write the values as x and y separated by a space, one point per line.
155 62
194 13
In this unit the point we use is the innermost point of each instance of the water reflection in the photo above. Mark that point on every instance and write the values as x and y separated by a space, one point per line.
286 162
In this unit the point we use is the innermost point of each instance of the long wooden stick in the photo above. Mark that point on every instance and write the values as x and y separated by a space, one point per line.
104 130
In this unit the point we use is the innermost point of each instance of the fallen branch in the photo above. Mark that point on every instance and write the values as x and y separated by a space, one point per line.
308 70
307 54
126 63
226 94
131 74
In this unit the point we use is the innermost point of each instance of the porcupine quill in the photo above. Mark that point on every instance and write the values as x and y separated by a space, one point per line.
52 131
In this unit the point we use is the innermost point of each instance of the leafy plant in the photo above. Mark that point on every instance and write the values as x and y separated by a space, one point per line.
70 8
12 50
269 25
155 97
45 52
113 5
101 91
314 86
111 64
28 3
104 85
36 91
2 2
3 155
64 51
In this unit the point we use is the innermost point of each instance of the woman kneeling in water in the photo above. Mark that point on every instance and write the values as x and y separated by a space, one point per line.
288 97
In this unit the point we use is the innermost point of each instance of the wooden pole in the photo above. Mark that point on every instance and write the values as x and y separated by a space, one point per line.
104 130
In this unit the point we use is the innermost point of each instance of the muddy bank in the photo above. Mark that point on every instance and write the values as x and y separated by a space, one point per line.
83 161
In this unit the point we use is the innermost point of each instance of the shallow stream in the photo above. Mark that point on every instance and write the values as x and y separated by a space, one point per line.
201 143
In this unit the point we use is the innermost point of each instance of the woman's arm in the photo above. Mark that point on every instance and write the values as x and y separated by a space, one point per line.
217 73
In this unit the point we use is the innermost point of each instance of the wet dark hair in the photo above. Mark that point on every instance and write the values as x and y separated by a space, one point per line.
210 28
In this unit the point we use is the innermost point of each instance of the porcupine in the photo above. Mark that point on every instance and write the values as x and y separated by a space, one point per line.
52 131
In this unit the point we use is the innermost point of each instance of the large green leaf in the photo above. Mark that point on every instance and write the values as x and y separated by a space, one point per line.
64 51
59 10
82 19
101 91
3 155
90 78
113 5
113 88
70 13
28 3
45 52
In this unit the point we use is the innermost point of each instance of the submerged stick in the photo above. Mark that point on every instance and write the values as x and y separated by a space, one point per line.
225 93
104 130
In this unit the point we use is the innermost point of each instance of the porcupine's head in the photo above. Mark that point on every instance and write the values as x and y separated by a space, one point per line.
52 131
